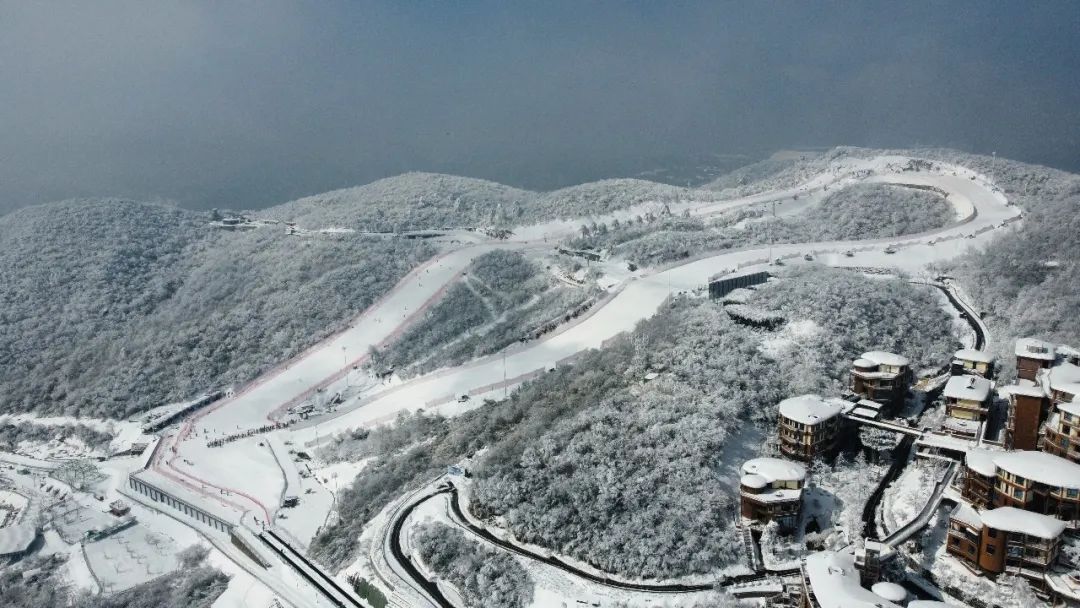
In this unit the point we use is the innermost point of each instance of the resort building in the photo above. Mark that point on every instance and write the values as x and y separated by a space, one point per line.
809 426
1062 381
770 490
1032 481
971 361
979 477
831 580
967 404
1033 355
1005 540
1062 433
1029 407
882 377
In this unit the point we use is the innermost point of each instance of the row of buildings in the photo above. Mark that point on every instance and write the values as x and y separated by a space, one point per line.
1020 497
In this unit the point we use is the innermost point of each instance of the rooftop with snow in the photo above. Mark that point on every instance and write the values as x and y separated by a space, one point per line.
810 409
967 388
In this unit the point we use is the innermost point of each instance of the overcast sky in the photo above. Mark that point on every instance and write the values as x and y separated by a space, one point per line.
245 105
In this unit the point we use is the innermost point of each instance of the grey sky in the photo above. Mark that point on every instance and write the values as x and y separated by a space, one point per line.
250 104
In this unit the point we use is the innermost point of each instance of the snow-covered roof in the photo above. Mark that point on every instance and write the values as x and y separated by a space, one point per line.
1071 407
927 604
1032 348
963 425
1065 377
753 481
1024 390
1011 519
809 409
1044 468
890 591
182 492
778 495
866 412
947 442
860 362
17 538
774 469
835 582
967 388
981 461
970 354
866 403
965 514
1068 351
883 358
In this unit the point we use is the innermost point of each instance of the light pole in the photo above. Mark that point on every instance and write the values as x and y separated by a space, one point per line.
345 358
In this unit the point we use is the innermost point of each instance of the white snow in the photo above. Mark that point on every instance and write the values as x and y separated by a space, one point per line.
967 388
775 469
1041 467
982 461
255 473
890 591
965 514
1032 348
835 582
1025 391
809 409
880 357
1011 519
970 354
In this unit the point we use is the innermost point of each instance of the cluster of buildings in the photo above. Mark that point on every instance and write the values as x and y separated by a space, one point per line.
1020 497
809 427
1017 496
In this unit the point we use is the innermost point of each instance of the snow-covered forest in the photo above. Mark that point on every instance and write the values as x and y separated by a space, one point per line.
1027 279
485 578
859 211
502 297
111 307
414 201
596 463
12 433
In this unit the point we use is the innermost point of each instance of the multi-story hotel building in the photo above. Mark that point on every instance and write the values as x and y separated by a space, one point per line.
967 404
882 377
971 361
1033 355
809 426
1005 540
770 490
1029 407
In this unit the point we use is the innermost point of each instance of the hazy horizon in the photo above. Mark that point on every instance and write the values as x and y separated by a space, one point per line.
250 105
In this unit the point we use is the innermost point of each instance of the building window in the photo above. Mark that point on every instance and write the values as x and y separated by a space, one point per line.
1071 493
989 549
992 533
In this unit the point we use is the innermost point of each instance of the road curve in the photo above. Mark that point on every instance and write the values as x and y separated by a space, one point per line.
480 532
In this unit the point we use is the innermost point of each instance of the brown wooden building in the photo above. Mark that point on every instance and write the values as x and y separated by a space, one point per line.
882 377
809 426
972 361
967 405
770 490
1005 540
1033 355
1029 407
1062 433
